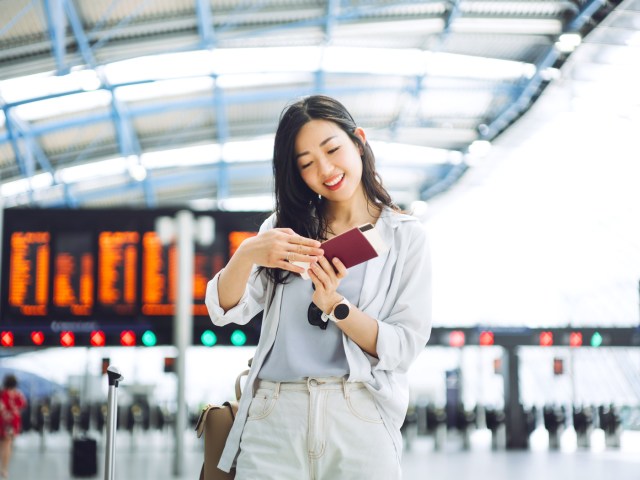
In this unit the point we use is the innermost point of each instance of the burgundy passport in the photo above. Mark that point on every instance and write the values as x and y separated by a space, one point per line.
355 246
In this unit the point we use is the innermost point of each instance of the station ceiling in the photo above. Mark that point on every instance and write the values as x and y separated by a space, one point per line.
175 102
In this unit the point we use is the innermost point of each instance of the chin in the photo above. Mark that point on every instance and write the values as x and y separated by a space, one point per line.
340 195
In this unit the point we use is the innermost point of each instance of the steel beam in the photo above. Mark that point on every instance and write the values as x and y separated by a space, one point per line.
11 23
229 99
32 153
330 20
127 141
222 127
123 22
79 34
34 147
521 101
584 15
54 12
205 24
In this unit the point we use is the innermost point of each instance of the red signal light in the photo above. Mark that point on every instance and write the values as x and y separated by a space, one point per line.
127 338
67 339
456 338
37 338
97 338
546 339
575 339
486 338
6 339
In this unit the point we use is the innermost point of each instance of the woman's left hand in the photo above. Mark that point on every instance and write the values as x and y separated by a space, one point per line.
326 277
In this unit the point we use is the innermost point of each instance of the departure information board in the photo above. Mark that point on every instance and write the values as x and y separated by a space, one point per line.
159 270
118 271
103 275
73 274
29 264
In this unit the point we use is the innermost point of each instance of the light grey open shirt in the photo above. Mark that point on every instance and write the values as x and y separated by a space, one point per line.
396 292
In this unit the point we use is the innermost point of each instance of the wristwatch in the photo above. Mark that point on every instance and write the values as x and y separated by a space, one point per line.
339 312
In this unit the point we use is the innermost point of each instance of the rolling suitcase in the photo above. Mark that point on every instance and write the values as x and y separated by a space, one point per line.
114 377
84 457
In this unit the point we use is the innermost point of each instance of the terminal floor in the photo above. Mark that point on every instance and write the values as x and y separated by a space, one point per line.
150 456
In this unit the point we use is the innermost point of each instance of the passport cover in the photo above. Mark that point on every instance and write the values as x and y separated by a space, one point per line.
352 247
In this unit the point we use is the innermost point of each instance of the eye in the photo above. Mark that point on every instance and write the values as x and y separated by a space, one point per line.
333 150
305 165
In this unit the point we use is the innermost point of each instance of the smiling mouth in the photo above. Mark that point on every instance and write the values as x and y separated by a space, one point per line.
335 182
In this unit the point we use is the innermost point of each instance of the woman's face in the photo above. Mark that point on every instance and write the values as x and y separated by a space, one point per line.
328 160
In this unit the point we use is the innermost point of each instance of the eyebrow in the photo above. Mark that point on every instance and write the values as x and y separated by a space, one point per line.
324 142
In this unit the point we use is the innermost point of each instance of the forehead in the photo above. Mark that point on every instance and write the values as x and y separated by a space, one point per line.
315 132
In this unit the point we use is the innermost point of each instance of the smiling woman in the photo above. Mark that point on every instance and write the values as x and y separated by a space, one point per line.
319 391
330 160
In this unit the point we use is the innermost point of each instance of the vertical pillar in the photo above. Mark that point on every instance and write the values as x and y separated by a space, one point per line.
183 325
516 429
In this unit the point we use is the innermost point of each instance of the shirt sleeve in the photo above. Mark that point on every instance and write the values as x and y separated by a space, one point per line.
404 332
251 302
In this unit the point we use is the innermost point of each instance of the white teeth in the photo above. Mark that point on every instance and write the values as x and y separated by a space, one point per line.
334 182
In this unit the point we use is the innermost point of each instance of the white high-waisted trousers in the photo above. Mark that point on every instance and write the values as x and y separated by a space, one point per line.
318 429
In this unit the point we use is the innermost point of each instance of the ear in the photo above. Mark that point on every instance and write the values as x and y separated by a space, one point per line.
359 132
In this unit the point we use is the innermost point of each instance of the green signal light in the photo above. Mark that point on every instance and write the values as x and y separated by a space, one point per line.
208 338
596 340
238 338
149 338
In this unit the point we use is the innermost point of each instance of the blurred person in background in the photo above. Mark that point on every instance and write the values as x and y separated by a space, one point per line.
12 403
327 391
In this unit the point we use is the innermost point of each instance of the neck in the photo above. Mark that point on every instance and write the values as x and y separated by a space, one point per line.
341 216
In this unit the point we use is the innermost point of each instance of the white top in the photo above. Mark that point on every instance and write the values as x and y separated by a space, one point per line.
302 350
396 292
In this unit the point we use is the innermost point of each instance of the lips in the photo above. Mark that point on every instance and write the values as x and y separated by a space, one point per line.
335 182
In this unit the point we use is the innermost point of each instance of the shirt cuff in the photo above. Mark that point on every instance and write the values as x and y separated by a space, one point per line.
216 312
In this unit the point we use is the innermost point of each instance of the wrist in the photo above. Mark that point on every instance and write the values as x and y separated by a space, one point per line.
327 305
339 311
241 260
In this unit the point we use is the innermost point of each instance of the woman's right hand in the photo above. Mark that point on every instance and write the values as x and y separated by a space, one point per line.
278 247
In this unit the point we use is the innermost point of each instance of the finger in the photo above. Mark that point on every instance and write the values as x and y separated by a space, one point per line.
284 265
291 256
322 273
318 274
326 266
315 280
341 270
304 241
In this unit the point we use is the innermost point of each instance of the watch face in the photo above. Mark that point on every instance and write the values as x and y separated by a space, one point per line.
341 311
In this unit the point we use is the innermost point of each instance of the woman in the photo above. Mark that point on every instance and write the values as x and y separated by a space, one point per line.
12 402
325 402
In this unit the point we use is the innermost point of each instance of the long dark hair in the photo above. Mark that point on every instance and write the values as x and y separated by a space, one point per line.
297 206
10 381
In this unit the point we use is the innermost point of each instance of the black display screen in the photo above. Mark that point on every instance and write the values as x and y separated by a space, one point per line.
89 270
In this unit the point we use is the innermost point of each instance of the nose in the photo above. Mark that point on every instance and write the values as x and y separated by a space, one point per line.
325 165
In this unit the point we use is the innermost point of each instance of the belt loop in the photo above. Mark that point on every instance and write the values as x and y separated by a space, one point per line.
345 388
277 390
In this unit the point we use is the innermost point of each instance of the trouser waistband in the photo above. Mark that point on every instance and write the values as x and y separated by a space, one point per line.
313 383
